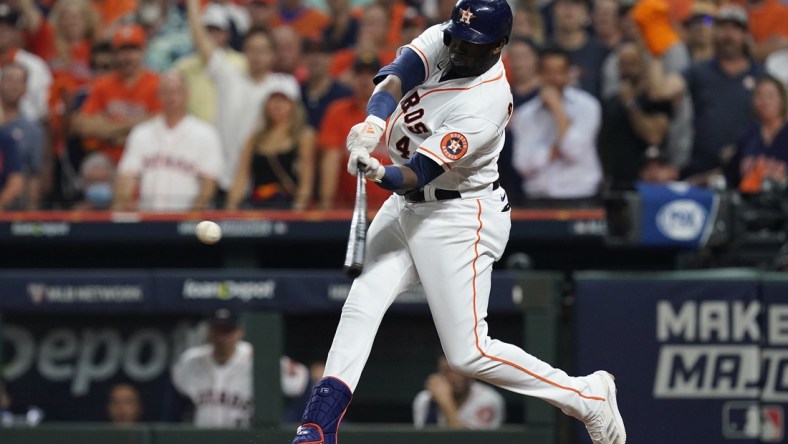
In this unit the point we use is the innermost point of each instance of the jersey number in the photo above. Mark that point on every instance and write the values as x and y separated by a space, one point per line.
403 147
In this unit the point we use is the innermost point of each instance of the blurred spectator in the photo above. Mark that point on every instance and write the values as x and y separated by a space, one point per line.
605 22
721 91
768 26
655 167
217 376
240 94
700 32
372 43
633 121
413 25
780 261
66 145
124 406
5 403
278 159
555 133
395 11
202 92
337 189
777 65
288 53
527 23
586 52
110 12
762 153
12 179
34 102
167 30
119 100
174 159
453 400
27 134
63 40
240 18
96 180
320 88
522 60
307 21
342 29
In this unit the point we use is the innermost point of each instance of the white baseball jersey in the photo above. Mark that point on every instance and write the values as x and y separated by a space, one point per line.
170 161
450 245
457 123
484 409
221 394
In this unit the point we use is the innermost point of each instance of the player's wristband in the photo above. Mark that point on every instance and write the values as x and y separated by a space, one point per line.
392 179
381 105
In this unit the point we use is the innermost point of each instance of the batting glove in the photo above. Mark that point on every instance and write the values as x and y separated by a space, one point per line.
366 133
360 158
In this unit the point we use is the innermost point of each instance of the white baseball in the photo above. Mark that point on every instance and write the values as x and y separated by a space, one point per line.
208 232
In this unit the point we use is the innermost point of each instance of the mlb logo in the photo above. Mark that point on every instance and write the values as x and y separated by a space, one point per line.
751 420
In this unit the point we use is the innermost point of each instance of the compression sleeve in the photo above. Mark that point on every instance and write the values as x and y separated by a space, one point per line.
408 67
425 168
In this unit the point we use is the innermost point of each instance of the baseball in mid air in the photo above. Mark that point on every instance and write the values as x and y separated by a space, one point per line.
208 232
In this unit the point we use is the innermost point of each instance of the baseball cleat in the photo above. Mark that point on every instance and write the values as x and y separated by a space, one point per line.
607 427
324 412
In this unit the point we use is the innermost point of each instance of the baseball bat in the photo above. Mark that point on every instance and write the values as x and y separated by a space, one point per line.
354 256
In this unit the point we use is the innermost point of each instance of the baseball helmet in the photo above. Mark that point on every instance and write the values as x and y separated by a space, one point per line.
480 21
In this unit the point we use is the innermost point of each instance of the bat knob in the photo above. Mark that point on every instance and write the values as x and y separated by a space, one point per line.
352 271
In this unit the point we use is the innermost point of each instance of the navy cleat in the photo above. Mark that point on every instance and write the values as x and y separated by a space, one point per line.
324 412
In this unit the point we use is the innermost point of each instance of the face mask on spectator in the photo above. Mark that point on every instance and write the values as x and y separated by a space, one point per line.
99 194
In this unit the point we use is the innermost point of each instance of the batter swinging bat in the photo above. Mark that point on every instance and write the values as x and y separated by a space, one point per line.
354 257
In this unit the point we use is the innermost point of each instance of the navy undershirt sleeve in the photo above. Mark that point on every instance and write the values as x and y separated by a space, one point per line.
408 67
425 168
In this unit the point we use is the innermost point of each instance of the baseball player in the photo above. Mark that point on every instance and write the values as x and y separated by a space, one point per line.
217 377
442 107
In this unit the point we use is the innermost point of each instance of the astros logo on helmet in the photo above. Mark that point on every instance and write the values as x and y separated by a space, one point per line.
467 15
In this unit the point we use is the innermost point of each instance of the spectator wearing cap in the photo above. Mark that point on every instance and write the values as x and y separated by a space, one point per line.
555 135
768 21
172 161
277 162
337 189
761 159
203 102
217 376
721 93
28 135
586 51
372 43
119 100
34 102
320 88
307 21
240 93
632 121
342 29
699 29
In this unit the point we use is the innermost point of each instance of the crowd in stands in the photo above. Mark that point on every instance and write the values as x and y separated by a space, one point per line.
172 105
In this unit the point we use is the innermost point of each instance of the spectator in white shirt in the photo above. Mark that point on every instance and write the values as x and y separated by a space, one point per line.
174 159
555 135
240 94
453 400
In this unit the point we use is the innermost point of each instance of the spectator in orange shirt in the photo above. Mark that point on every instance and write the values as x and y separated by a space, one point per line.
305 20
768 26
110 11
372 43
120 100
337 189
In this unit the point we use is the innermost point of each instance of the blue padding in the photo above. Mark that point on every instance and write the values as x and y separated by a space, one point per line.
425 168
408 67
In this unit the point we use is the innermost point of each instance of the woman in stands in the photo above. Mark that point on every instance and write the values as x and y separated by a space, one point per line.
277 163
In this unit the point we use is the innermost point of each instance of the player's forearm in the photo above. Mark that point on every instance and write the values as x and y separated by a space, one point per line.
205 46
391 84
